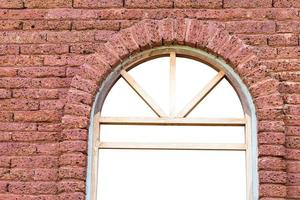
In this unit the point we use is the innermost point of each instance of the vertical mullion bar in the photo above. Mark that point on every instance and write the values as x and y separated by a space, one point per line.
172 83
96 141
248 138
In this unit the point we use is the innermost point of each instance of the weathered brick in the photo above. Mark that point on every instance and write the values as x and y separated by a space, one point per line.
22 37
251 27
198 3
45 49
48 4
247 4
272 190
97 3
37 116
46 25
35 162
148 4
272 177
286 3
11 4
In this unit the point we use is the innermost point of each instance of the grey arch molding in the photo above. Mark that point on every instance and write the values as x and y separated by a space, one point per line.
197 54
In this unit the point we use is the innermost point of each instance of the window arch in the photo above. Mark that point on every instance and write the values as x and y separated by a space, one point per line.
173 112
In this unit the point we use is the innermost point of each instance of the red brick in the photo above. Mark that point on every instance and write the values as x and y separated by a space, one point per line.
77 109
272 190
18 104
71 14
283 40
73 146
78 96
5 136
198 3
37 116
73 159
20 60
32 187
50 127
10 25
45 49
148 4
36 93
270 114
47 149
74 122
75 134
97 3
293 166
54 83
286 3
17 148
35 162
294 192
46 25
84 85
288 26
271 138
9 49
72 196
292 130
272 150
34 136
6 116
52 104
72 172
5 161
103 35
247 4
269 101
272 177
10 126
271 126
71 186
96 24
293 154
8 72
47 3
45 175
293 179
255 40
11 4
293 142
22 37
288 52
70 36
4 94
290 87
42 72
264 87
251 27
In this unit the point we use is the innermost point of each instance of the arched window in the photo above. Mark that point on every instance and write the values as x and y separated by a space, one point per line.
171 125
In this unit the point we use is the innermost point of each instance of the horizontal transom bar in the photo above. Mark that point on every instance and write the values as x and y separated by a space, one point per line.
171 146
173 121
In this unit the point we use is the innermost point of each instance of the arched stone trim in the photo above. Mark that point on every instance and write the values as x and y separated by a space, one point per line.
190 32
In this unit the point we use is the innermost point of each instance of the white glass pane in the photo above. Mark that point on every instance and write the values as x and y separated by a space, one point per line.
191 77
222 101
173 134
122 101
153 77
171 175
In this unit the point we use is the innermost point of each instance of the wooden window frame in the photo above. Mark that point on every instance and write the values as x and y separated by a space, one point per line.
172 118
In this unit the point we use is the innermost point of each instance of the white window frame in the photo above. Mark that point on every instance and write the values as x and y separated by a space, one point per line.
249 121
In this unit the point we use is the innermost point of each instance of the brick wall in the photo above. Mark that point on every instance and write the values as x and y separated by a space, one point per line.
47 89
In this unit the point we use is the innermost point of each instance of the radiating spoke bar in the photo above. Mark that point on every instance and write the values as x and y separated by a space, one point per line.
173 121
138 89
201 95
172 146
